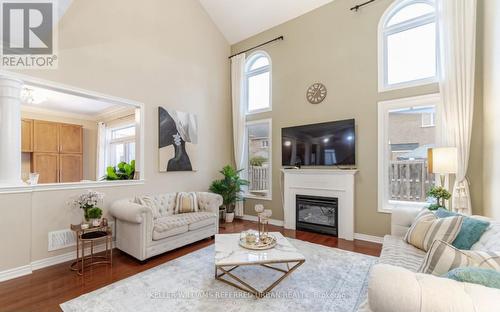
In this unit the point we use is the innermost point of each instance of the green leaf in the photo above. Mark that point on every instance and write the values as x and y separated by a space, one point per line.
111 173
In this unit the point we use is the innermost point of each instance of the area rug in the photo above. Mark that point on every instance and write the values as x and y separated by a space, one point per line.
330 280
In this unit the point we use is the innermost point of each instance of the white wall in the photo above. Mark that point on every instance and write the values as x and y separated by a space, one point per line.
156 52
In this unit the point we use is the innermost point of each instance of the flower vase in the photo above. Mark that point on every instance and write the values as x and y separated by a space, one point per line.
86 218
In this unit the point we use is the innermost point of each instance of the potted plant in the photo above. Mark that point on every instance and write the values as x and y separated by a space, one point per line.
229 187
440 194
95 215
122 171
87 201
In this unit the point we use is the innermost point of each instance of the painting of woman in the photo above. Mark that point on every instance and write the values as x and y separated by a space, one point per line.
178 134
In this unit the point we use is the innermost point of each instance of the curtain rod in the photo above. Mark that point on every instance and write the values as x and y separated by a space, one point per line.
359 6
258 46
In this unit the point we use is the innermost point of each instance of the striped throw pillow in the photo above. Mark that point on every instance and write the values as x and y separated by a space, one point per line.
428 228
186 202
443 257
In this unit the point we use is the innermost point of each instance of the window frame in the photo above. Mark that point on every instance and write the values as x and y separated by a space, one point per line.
386 205
384 31
110 142
432 121
269 122
250 73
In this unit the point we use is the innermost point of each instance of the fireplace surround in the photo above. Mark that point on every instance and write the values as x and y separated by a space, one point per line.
331 183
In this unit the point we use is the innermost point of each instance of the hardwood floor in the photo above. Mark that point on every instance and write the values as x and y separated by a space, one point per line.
45 289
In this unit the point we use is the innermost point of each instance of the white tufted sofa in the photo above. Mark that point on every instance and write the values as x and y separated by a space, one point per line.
394 285
144 233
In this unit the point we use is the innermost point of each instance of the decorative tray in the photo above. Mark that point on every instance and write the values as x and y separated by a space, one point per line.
259 244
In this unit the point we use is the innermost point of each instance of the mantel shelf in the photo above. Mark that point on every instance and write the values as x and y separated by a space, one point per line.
320 171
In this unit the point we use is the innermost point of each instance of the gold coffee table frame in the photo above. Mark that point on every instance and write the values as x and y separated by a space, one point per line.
242 285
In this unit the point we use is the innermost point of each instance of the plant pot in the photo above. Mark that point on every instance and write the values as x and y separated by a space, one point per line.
96 222
229 217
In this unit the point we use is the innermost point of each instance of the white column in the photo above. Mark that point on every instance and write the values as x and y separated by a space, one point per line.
10 131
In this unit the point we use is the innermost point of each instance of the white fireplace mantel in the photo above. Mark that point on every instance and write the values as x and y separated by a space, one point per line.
337 183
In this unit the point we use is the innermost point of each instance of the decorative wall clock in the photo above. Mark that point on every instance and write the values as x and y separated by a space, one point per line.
316 93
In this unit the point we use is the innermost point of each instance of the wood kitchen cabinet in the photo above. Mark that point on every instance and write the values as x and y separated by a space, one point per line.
46 137
70 168
26 135
47 165
57 150
70 138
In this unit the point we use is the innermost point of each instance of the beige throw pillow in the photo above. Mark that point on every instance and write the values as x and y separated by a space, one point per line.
186 202
428 228
443 257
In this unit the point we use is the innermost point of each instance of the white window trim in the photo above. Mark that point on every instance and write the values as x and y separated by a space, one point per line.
432 123
124 140
269 121
384 204
383 85
268 68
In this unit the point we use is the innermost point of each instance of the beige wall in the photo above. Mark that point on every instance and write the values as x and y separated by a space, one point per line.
157 52
89 139
338 47
491 156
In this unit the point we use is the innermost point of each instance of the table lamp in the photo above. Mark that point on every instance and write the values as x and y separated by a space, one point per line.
443 161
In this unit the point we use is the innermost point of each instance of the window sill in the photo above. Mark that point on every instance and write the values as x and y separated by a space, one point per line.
391 205
250 196
259 111
406 85
66 186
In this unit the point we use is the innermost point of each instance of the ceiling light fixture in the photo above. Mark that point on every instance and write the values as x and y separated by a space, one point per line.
29 96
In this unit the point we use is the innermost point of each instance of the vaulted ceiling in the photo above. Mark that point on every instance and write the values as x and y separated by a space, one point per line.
241 19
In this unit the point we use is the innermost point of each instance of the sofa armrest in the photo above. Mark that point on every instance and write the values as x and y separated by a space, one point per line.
209 201
126 210
391 288
401 220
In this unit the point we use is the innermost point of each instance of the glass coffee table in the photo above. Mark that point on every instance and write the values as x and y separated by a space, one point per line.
229 255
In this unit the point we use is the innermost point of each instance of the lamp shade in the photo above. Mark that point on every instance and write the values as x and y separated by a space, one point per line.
443 160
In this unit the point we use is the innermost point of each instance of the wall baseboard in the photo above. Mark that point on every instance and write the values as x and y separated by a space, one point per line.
15 272
369 238
358 236
271 221
43 263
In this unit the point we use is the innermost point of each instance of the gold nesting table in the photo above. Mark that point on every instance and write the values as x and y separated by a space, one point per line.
90 238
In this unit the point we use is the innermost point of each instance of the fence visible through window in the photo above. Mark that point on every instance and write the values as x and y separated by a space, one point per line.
409 180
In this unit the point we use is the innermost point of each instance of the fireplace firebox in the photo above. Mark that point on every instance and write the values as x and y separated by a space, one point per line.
317 214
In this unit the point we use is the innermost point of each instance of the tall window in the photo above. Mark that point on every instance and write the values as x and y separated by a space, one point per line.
408 48
404 179
121 144
259 158
258 82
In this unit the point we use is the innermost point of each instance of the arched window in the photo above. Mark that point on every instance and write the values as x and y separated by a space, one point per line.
258 82
408 44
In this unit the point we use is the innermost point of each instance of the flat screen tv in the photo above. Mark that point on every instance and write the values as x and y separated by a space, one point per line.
323 144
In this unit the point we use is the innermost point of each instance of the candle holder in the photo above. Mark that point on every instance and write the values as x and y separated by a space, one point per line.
261 239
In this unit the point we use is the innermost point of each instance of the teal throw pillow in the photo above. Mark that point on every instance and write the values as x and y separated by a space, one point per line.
485 277
470 232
